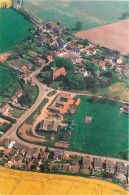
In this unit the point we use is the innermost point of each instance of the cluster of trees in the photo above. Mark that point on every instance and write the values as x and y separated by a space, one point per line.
73 81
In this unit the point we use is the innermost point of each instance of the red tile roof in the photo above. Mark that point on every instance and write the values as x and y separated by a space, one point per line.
77 101
60 72
101 63
7 151
24 68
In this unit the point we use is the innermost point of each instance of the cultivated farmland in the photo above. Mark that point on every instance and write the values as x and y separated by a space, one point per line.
53 184
90 13
114 36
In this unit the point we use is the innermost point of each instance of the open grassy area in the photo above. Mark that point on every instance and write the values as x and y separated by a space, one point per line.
107 134
119 90
17 113
91 13
14 28
6 78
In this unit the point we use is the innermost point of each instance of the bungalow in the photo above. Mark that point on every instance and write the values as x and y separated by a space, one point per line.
119 59
44 155
11 144
49 126
7 151
121 169
14 99
4 108
57 30
36 153
49 58
75 105
66 168
82 72
75 167
98 164
120 177
86 162
50 25
64 137
61 42
6 142
24 68
18 93
101 63
109 59
58 155
110 166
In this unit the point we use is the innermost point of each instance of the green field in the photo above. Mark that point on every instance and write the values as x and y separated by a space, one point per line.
6 78
13 29
91 13
107 134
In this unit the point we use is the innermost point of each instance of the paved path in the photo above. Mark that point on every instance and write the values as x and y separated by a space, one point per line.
42 94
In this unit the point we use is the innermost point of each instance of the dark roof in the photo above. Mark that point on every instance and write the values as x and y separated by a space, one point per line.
64 137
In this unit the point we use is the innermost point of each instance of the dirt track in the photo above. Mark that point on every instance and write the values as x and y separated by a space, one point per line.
114 36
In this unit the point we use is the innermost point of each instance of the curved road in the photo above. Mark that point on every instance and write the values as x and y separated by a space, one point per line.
11 133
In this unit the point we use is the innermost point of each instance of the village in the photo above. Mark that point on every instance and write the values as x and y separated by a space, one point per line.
17 156
62 59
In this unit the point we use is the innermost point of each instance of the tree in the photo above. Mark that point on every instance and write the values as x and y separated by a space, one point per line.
79 25
124 15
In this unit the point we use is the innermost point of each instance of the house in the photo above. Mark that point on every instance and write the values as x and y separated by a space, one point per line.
49 58
14 99
66 168
75 105
24 68
36 153
18 93
61 42
11 144
125 108
93 51
26 78
64 137
49 126
69 47
75 167
76 50
44 155
109 59
57 73
7 151
57 30
6 142
51 25
58 155
119 59
121 169
98 164
110 166
4 108
86 162
100 63
86 51
41 61
120 177
82 72
28 165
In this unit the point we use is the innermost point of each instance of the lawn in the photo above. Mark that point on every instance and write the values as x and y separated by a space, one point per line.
6 78
107 134
14 28
91 13
17 113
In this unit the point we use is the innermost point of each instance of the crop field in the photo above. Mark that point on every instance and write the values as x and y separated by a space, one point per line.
113 36
107 134
90 13
119 90
52 184
6 78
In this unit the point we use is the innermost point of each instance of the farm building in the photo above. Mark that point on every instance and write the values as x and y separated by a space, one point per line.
49 126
